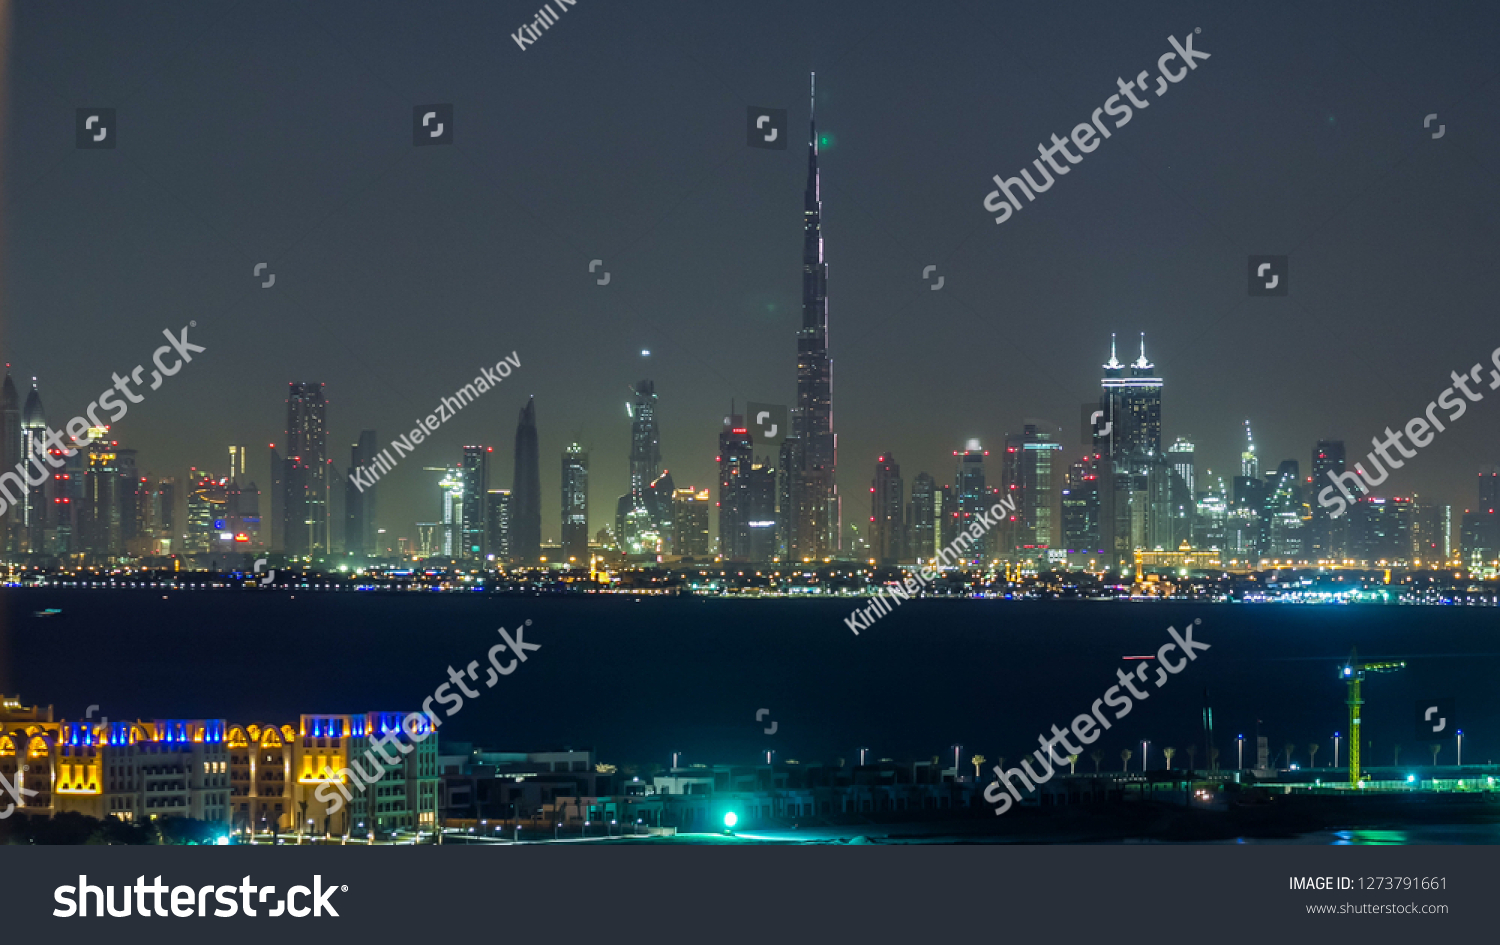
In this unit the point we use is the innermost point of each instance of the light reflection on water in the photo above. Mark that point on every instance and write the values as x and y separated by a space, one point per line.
1424 833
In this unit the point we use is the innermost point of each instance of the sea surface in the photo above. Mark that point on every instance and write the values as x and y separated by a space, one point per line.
638 678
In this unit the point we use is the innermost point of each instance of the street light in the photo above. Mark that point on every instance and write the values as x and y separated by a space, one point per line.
1335 749
1460 748
1240 739
1144 743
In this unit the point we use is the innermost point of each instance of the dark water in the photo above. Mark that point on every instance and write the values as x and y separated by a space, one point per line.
638 678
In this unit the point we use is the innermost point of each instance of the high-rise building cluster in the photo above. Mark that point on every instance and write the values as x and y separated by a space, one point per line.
1129 505
74 497
1130 501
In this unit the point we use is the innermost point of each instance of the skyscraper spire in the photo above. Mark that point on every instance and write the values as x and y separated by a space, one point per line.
810 463
1143 364
1114 362
526 490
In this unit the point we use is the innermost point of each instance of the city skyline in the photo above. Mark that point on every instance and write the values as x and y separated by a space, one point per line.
703 254
1044 522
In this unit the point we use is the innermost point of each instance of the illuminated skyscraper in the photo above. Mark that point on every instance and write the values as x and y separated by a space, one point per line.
1249 464
762 512
11 521
132 505
33 443
1131 405
476 486
1080 511
359 504
812 459
972 498
1489 487
662 509
1380 530
497 519
1134 480
575 504
526 496
1432 533
1180 455
101 515
206 510
887 505
921 521
451 505
1286 535
690 516
736 457
1212 520
1479 529
1026 477
305 486
645 440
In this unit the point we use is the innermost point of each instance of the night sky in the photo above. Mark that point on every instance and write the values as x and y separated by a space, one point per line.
281 132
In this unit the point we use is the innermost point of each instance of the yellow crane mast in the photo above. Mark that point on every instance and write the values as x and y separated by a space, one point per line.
1353 673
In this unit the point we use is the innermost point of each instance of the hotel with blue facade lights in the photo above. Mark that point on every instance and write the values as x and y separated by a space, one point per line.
251 778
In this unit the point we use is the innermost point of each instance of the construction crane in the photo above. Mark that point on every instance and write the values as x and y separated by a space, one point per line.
1353 673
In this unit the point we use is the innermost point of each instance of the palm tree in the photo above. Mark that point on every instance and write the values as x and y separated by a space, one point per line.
1213 759
1289 748
1072 764
1396 755
1169 752
1312 755
977 760
1436 747
1192 757
1098 755
1125 755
